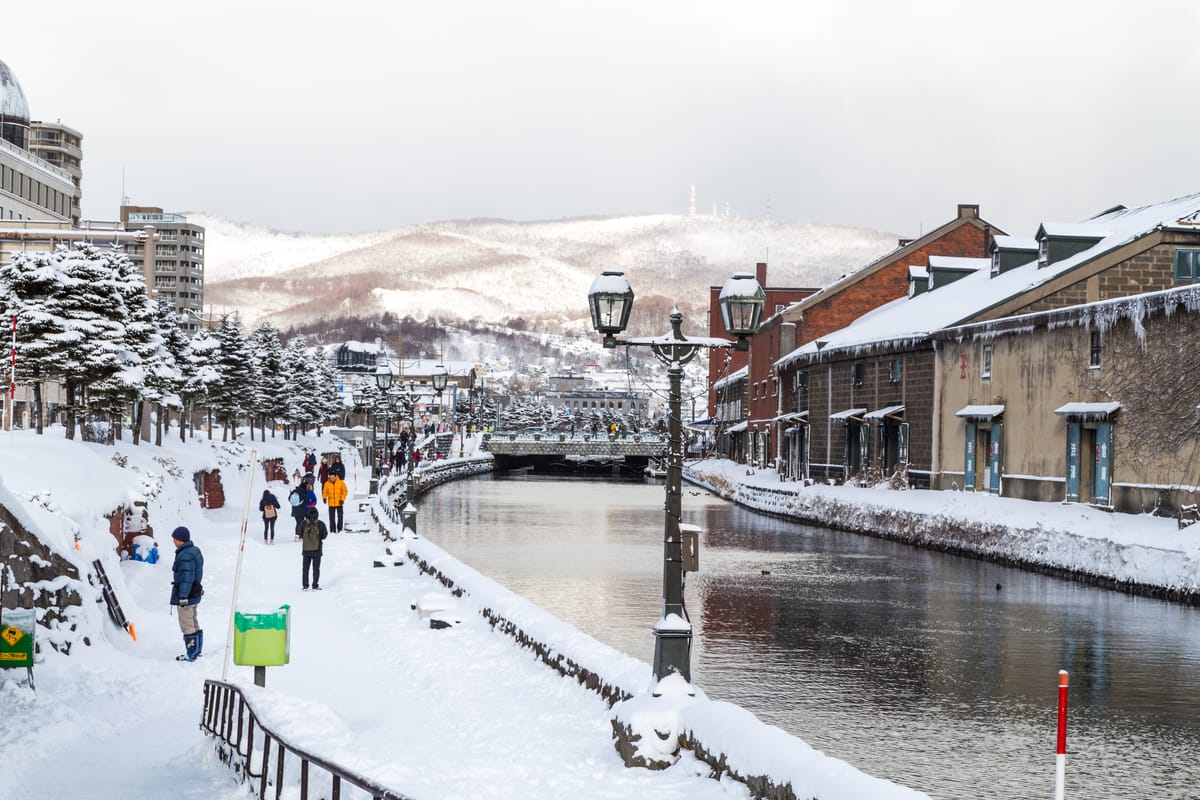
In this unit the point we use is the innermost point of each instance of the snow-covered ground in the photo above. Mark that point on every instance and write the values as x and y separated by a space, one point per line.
459 712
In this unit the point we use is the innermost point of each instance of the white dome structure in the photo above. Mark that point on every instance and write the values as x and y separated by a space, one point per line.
14 109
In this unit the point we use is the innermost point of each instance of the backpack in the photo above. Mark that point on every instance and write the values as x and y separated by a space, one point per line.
294 498
269 511
311 535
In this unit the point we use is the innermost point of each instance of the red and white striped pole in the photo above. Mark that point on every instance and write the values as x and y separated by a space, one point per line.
1060 771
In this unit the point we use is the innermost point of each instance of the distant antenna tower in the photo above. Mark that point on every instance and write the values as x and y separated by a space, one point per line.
769 209
692 204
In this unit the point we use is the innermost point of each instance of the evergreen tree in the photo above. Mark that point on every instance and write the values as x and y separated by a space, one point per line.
232 393
271 398
93 305
135 344
200 375
30 287
165 378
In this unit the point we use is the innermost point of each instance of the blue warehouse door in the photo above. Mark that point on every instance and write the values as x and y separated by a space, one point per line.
1073 436
994 445
1102 474
969 459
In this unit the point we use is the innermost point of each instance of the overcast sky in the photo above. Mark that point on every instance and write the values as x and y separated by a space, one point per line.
353 115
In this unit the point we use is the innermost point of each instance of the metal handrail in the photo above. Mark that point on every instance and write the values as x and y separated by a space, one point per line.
236 734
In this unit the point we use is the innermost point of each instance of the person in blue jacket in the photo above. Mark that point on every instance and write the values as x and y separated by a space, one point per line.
187 572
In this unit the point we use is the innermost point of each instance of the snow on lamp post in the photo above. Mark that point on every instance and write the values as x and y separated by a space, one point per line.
610 300
440 378
383 380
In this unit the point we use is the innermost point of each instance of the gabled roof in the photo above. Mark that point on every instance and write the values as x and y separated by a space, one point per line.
1014 243
912 319
1068 230
967 215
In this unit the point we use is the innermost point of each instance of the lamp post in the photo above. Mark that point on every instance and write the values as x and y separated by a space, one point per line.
383 379
408 514
440 378
611 300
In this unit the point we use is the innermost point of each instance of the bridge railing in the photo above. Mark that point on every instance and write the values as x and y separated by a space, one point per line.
530 435
246 744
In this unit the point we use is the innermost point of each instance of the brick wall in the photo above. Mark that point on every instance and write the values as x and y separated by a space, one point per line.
885 284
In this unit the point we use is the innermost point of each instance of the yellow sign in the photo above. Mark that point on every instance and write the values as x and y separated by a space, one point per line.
12 635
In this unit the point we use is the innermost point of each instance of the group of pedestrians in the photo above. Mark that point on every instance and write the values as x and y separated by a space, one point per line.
310 531
187 570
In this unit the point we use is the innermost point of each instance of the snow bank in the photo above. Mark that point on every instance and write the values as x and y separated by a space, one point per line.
1138 553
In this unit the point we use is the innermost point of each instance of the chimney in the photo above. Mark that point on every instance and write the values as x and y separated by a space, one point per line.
760 273
787 338
968 211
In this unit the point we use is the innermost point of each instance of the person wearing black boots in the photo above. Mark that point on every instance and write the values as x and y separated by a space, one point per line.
187 572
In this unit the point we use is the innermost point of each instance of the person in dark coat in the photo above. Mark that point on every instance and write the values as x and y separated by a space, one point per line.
310 461
297 499
187 572
313 534
323 472
268 506
337 467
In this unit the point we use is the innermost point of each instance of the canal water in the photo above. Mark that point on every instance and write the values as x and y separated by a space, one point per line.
935 671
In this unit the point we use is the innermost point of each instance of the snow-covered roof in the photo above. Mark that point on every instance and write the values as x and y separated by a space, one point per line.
848 413
957 262
980 412
1015 243
732 378
741 426
886 411
1096 411
916 271
1072 230
911 319
790 416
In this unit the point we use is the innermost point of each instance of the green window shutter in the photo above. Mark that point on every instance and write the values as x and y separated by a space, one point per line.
996 442
1103 467
903 443
1073 436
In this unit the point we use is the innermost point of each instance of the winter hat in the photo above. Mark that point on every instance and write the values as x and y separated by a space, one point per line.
181 534
312 513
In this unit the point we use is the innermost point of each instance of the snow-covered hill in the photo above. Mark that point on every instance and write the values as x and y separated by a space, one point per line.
495 270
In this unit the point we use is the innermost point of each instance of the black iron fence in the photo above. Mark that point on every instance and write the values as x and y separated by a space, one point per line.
259 755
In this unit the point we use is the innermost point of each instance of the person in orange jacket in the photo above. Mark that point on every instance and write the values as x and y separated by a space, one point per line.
334 494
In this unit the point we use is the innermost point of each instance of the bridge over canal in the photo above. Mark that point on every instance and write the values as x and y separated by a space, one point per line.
548 450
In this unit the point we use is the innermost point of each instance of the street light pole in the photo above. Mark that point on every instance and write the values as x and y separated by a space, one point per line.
611 301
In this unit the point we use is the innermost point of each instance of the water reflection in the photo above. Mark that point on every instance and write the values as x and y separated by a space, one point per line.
936 671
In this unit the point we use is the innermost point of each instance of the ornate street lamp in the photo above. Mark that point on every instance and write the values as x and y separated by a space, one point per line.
440 378
611 300
383 379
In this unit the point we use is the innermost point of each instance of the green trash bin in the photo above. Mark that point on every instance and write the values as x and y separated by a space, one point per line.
262 640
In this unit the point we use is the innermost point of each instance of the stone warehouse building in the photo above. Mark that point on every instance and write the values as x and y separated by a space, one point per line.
916 388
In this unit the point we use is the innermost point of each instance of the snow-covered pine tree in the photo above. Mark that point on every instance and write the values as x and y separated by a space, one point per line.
164 376
295 364
200 376
137 347
29 288
93 306
231 394
271 400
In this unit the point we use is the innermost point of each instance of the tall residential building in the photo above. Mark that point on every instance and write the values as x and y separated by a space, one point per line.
31 188
63 147
177 273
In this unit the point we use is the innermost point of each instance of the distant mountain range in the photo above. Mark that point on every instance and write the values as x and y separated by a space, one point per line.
495 271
